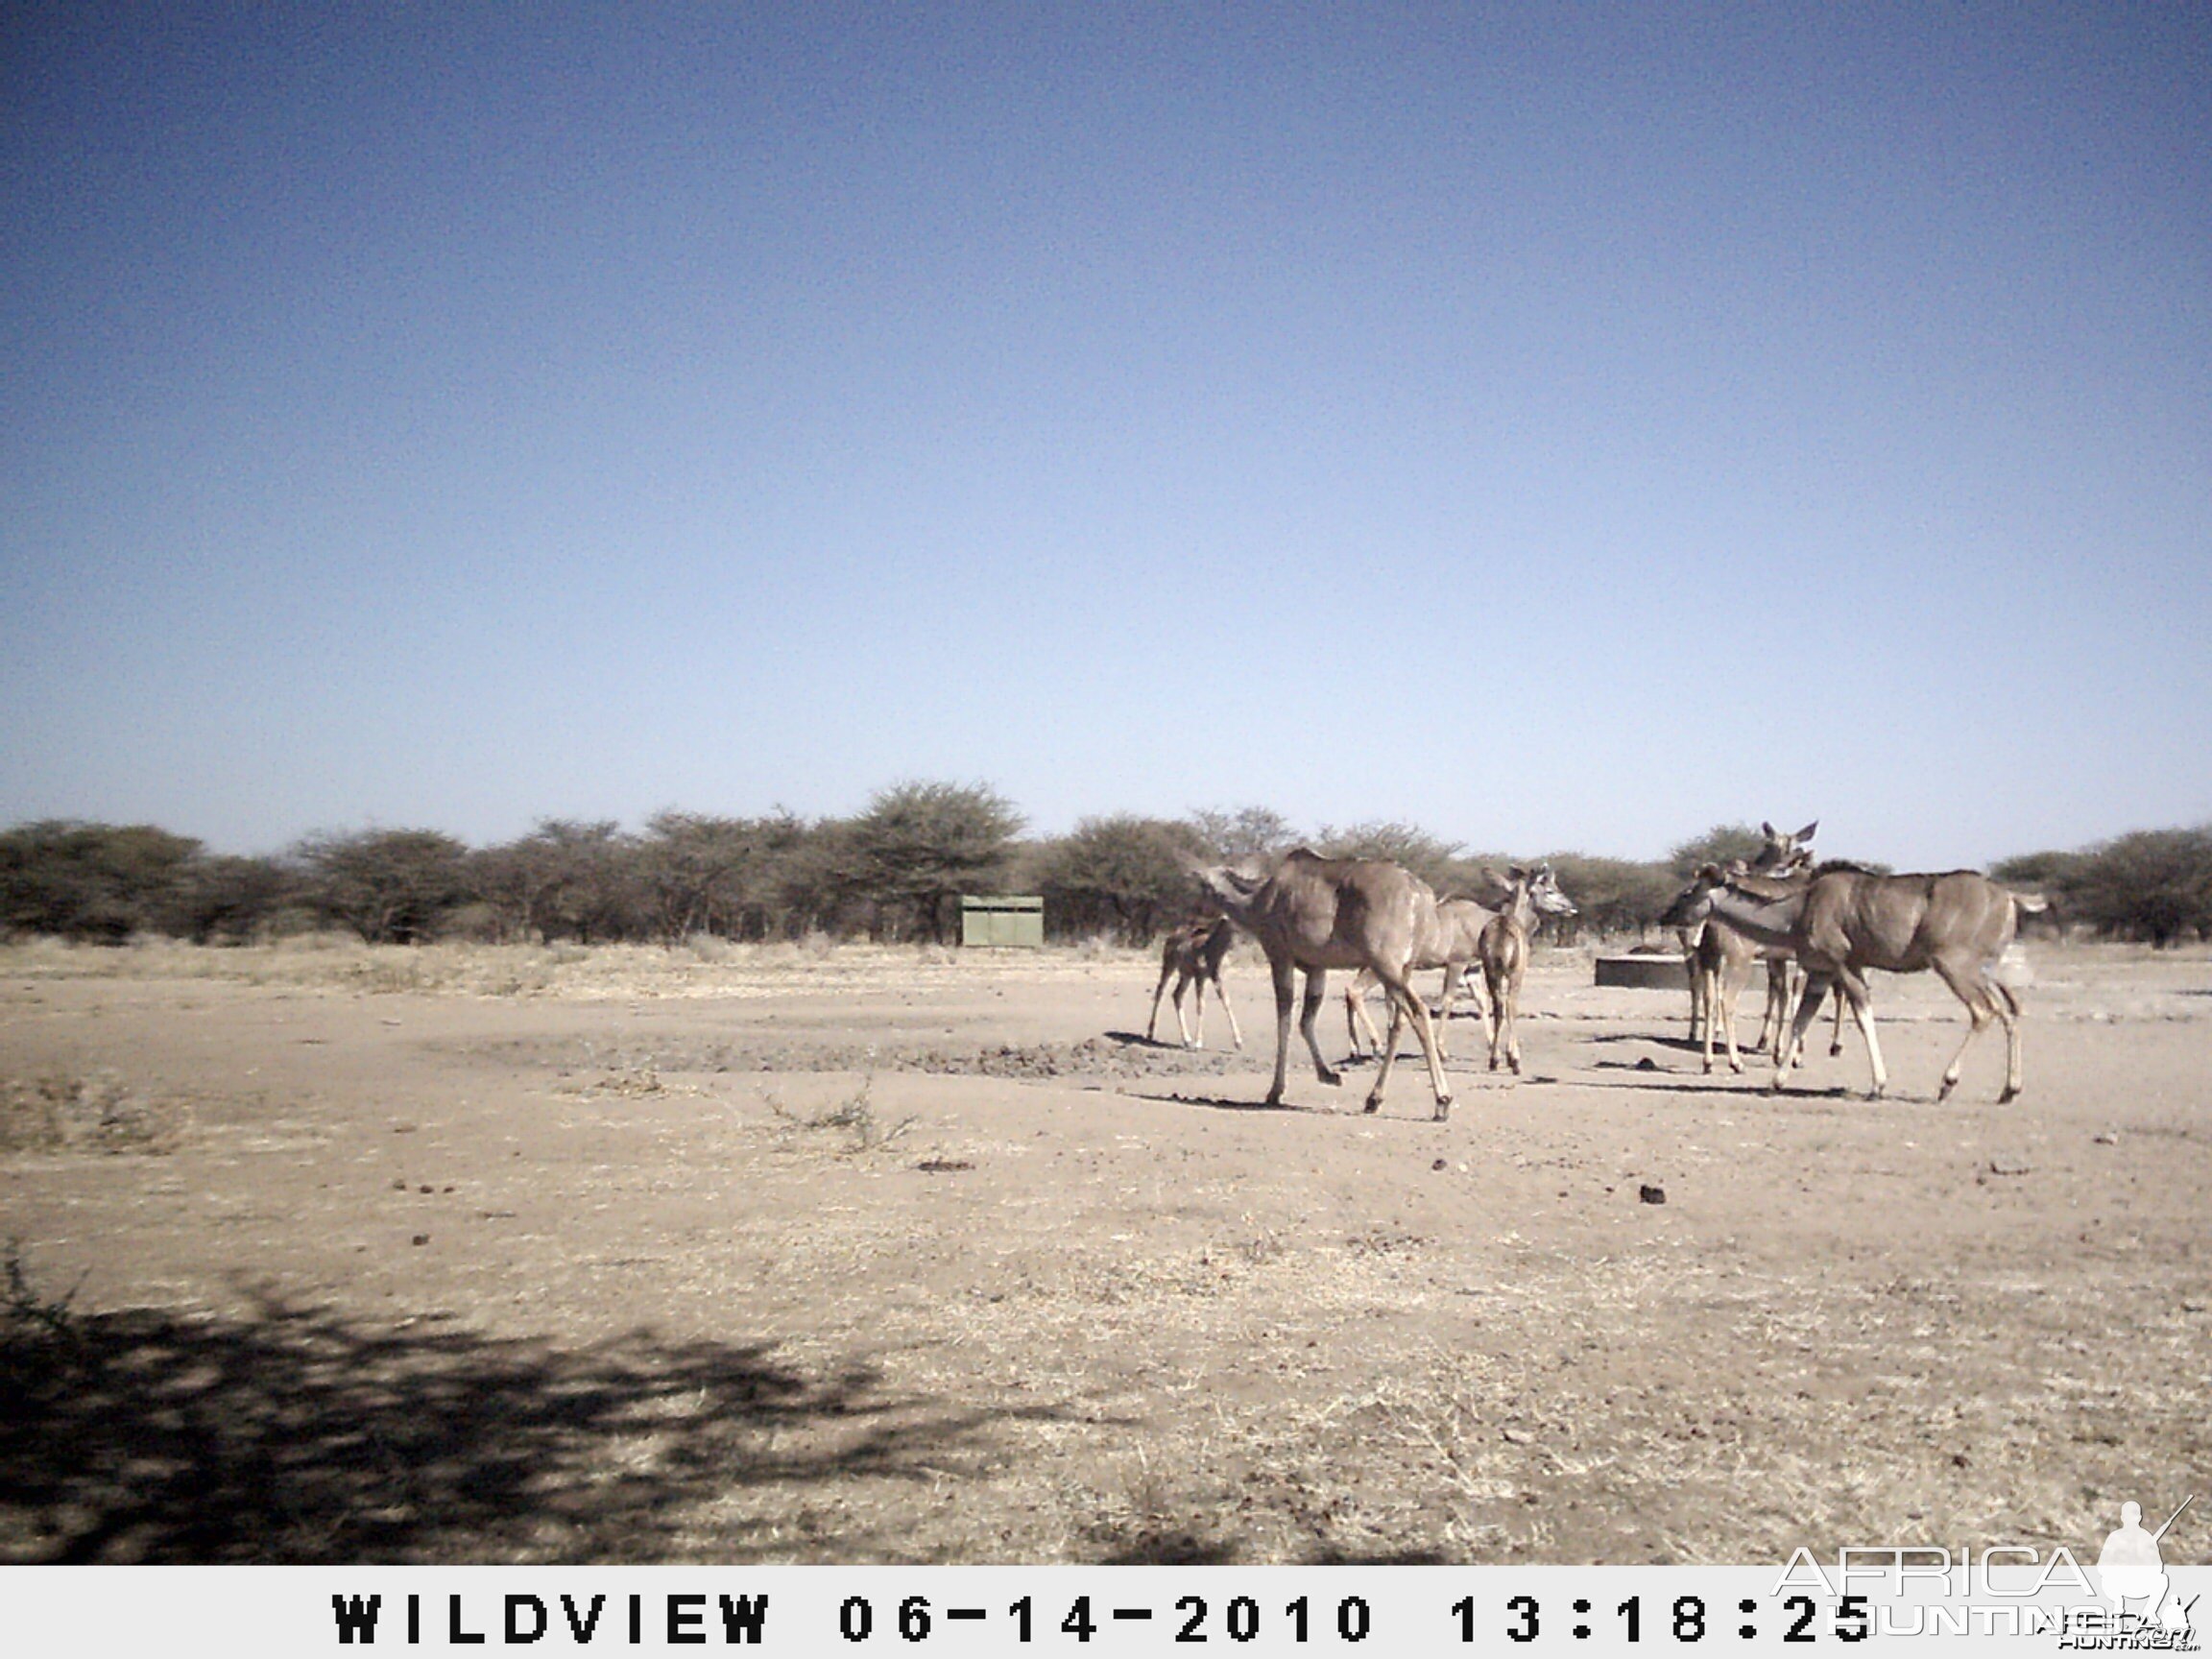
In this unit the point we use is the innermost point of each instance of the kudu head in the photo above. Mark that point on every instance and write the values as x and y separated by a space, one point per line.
1694 902
1544 893
1780 849
1536 885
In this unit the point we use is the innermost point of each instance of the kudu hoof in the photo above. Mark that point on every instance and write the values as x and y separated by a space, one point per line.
1443 1109
1374 1103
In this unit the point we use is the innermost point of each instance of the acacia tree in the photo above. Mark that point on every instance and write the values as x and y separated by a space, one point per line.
1613 895
567 880
1126 876
1719 845
391 886
230 900
707 874
1247 832
919 847
96 881
2153 884
1412 848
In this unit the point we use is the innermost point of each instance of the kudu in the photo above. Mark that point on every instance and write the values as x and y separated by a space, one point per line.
1451 945
1845 920
1191 956
1505 952
1718 957
1314 913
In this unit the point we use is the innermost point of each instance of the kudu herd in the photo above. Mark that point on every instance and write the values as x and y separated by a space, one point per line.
1840 919
1819 927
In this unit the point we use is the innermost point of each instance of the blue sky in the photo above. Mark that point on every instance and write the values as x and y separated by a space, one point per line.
1554 427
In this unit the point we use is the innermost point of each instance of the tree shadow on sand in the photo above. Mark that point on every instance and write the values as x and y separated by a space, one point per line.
291 1434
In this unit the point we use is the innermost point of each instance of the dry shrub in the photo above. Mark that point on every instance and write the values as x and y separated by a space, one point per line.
59 1111
855 1113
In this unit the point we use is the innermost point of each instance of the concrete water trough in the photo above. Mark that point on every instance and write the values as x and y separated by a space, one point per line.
1642 973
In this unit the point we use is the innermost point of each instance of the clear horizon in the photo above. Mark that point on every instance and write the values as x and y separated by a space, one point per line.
1558 429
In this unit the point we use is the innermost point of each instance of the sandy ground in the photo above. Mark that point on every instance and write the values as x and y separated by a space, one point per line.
858 1255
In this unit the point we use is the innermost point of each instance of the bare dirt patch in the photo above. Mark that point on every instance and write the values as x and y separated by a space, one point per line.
846 1254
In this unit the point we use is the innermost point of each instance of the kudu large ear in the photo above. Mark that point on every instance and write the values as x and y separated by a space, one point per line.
1806 834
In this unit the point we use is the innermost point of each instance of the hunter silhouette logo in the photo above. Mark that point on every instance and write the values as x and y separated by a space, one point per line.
2130 1569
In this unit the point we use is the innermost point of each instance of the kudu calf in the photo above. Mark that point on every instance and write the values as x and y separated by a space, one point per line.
1505 952
1192 955
1845 920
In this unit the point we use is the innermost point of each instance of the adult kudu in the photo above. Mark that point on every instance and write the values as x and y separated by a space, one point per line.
1454 944
1845 920
1314 913
1719 957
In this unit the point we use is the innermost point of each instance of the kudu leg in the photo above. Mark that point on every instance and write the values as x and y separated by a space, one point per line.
1223 991
1389 1053
1357 1021
1286 978
1316 991
1450 994
1817 987
1193 983
2009 1011
1776 1015
1514 1022
1406 1004
1854 987
1504 1026
1159 990
1721 993
1983 999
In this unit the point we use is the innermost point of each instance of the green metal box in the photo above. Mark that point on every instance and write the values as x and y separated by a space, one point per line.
1007 922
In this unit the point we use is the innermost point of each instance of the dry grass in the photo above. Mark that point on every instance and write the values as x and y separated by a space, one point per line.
855 1116
703 966
60 1112
551 1285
